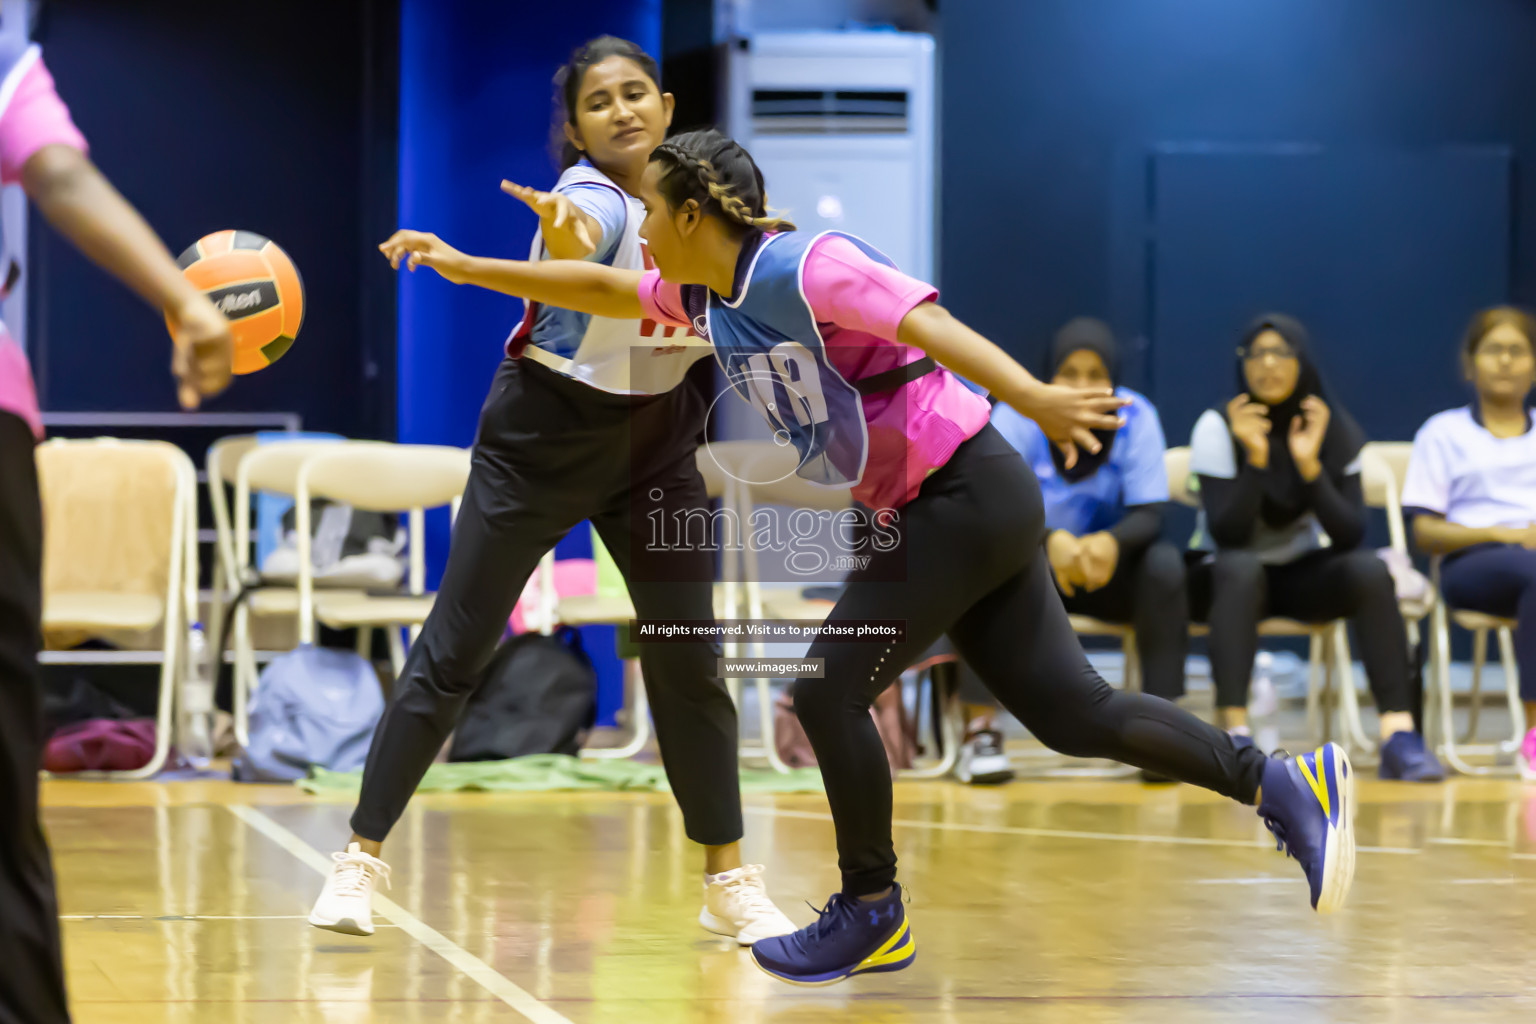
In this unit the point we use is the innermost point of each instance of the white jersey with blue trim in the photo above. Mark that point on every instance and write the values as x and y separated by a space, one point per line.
627 357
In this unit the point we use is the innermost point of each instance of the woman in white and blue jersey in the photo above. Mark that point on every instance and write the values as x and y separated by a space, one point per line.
589 418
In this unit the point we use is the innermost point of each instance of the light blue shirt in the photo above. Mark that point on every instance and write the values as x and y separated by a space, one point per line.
1133 475
560 330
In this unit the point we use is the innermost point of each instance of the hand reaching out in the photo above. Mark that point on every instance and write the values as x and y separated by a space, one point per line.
556 212
424 249
1068 416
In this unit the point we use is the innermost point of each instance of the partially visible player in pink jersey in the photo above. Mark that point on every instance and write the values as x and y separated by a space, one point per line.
850 361
43 151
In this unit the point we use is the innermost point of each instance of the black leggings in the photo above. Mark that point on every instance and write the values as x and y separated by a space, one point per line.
1233 591
1147 591
550 453
31 969
970 563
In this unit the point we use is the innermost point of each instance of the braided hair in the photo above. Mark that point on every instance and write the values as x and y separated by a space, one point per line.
714 171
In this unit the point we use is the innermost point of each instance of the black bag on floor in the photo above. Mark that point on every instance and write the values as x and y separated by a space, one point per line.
538 696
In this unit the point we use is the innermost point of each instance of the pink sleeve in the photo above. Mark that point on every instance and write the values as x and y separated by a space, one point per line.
662 300
847 288
35 118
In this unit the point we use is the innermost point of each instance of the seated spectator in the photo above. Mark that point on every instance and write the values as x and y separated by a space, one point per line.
1104 515
1281 524
1472 490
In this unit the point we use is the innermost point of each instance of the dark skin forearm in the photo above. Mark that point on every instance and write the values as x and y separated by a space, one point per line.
82 205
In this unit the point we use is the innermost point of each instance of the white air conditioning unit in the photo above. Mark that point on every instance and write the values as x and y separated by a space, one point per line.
842 125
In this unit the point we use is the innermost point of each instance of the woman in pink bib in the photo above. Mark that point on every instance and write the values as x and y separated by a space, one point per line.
854 364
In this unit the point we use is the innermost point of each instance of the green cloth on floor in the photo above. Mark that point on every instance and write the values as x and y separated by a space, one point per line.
543 773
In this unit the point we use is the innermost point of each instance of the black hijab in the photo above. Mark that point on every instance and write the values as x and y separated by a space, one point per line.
1085 332
1285 493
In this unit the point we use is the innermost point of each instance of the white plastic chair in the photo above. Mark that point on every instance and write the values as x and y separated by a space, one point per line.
273 468
120 559
1438 719
376 477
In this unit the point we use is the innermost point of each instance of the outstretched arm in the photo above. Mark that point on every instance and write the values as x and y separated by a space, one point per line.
1066 415
567 284
84 207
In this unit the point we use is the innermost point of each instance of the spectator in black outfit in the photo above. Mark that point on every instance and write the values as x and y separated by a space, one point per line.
1282 520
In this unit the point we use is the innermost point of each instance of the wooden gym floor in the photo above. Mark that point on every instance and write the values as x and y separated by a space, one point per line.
1078 902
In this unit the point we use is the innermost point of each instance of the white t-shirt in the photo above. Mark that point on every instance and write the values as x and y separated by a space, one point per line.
1462 472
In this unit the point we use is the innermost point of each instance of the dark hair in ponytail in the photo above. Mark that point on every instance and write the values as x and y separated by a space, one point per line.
714 171
568 87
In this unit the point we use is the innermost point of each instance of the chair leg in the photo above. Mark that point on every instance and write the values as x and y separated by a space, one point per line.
396 649
1518 724
1434 728
764 687
174 656
640 711
1132 659
1316 671
245 676
365 642
1479 659
765 716
953 725
948 730
1447 724
1350 726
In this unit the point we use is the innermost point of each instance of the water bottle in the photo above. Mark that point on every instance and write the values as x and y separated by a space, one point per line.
195 741
1264 701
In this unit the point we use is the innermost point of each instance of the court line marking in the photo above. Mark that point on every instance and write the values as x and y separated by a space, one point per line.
473 967
1054 833
1454 841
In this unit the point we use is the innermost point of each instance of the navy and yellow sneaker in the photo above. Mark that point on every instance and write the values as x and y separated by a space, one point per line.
851 936
1308 802
1405 757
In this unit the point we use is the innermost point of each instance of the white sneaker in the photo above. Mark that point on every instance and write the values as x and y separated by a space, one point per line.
737 904
983 762
346 903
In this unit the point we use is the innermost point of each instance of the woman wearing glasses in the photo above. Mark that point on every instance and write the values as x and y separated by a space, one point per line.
1281 523
1472 488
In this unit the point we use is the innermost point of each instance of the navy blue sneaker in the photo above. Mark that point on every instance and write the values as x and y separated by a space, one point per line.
852 936
1308 802
1405 757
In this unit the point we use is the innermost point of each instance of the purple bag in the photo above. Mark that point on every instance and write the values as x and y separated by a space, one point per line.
101 744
